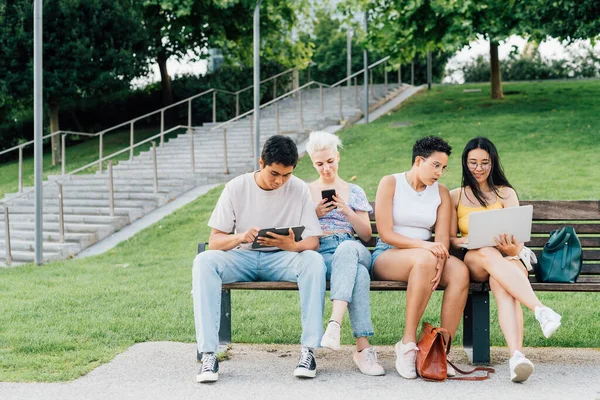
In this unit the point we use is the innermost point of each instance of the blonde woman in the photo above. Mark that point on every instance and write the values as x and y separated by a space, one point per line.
341 215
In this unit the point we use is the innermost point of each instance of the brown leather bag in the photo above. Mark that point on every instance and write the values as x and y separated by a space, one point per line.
434 345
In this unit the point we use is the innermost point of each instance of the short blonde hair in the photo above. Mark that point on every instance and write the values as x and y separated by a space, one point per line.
321 140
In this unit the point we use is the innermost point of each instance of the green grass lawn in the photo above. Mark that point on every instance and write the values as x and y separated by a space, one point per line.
61 320
77 155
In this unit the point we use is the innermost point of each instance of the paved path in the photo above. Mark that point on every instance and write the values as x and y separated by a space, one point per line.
166 370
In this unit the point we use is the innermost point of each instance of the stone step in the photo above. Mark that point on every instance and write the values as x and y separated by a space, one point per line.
82 238
118 221
146 205
99 230
66 249
159 197
132 213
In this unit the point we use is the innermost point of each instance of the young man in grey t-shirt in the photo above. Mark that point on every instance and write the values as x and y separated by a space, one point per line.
268 198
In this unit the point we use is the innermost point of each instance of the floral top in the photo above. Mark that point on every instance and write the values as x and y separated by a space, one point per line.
334 220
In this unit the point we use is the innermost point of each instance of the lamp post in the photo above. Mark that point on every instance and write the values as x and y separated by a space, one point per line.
38 127
256 84
366 70
349 55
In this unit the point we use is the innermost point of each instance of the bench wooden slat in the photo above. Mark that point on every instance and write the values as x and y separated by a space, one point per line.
375 286
591 255
585 241
563 210
579 228
567 287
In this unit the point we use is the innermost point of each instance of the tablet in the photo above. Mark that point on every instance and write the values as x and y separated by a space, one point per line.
279 231
484 226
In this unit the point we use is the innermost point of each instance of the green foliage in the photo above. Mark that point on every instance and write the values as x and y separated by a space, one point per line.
90 47
519 67
564 19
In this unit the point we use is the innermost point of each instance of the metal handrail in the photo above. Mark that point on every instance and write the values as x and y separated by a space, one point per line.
95 162
45 137
361 71
222 124
267 80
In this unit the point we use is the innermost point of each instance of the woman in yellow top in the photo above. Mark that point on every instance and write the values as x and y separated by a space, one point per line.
484 187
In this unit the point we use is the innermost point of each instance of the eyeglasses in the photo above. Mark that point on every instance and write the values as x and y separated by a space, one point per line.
437 166
484 165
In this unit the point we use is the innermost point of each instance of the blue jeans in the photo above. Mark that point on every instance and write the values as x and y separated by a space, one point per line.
380 247
212 268
348 265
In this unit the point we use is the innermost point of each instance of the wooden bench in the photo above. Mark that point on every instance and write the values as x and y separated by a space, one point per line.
548 216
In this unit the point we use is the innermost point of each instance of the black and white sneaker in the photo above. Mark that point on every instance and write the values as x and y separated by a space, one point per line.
209 371
307 366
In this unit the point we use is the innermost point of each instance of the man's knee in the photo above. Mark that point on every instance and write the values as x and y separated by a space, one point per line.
206 262
312 263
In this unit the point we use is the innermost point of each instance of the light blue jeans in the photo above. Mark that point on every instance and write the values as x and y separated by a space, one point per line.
212 268
348 265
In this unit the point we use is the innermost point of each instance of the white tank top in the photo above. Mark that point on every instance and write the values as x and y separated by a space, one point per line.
414 212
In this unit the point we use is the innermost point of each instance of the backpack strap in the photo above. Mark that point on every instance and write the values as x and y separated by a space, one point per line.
488 371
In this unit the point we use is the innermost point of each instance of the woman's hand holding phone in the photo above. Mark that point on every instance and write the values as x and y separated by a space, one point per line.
324 207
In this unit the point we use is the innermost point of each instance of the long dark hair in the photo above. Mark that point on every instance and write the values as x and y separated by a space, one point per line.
495 179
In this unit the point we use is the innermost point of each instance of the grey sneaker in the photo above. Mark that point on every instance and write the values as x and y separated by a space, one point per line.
549 320
307 365
520 367
366 361
331 338
209 371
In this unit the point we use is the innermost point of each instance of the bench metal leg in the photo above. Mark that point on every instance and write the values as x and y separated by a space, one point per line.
225 325
476 327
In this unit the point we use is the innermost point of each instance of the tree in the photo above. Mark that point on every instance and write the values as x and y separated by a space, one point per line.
179 28
406 26
91 47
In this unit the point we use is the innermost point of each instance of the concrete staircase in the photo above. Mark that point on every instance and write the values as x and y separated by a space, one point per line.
87 218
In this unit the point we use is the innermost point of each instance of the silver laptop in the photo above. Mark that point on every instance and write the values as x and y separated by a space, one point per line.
484 226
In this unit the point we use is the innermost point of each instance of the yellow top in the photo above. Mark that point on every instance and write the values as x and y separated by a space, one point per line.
463 212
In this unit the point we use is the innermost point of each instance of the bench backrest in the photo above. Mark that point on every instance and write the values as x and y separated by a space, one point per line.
549 215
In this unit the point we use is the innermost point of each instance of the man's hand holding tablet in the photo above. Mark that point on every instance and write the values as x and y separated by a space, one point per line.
282 238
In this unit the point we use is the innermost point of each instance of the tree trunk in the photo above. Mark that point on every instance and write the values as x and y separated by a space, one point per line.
495 72
165 80
55 141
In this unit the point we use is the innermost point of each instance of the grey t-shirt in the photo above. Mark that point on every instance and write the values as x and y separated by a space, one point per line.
243 205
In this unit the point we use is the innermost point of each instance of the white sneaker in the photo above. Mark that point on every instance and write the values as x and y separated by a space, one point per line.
520 367
366 361
450 371
406 355
549 320
331 338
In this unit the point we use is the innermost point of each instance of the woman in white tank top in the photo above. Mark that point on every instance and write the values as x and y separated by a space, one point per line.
407 207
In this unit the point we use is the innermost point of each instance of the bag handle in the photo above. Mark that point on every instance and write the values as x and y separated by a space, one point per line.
488 371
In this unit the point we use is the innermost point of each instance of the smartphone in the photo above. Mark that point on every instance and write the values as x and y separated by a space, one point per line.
328 194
